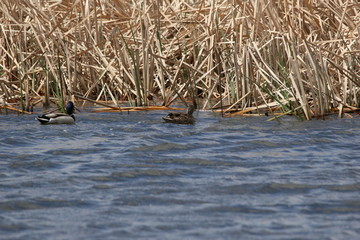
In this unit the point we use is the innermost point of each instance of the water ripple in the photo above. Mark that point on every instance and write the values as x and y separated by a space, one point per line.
131 175
40 204
161 147
145 173
347 207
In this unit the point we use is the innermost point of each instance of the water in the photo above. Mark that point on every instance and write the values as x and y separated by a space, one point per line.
131 176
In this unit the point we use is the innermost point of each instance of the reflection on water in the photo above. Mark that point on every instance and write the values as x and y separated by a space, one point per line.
114 176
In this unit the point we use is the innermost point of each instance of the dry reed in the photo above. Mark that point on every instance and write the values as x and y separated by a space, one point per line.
299 56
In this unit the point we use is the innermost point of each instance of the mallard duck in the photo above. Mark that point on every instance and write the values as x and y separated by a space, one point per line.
181 118
59 118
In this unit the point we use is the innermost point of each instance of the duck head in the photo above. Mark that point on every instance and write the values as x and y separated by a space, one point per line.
190 109
70 108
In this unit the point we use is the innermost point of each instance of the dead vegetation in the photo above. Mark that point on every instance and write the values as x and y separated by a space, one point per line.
298 57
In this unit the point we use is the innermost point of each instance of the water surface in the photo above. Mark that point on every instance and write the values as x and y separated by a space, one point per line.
131 176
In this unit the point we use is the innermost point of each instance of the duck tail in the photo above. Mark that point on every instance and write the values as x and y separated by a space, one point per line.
42 119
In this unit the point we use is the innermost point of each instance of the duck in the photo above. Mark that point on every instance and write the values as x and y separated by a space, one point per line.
59 118
181 118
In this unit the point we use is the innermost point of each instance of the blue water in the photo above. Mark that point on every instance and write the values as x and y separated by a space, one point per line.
131 176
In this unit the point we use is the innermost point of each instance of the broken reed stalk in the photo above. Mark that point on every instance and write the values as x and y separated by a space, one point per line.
236 54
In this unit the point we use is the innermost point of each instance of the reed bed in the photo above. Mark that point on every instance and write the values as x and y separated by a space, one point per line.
255 56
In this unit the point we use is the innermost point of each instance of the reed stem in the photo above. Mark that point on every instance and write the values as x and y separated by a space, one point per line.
242 54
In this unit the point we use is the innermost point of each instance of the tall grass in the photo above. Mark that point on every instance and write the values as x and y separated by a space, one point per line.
255 55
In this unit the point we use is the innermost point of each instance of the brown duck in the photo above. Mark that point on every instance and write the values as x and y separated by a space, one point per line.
181 118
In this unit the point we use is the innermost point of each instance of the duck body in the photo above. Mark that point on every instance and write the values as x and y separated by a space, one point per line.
181 118
59 118
56 118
